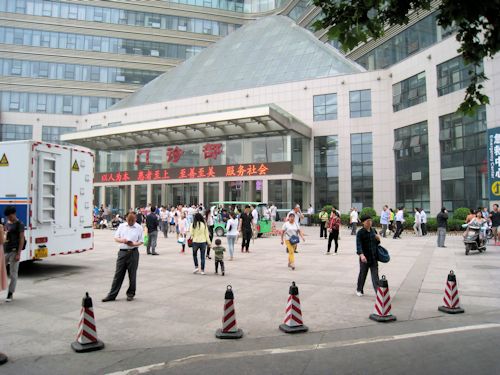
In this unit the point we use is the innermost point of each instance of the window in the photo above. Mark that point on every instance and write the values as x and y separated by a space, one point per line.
69 71
15 132
326 171
15 102
463 160
361 170
454 75
52 134
67 104
16 67
409 92
412 166
41 104
325 107
360 103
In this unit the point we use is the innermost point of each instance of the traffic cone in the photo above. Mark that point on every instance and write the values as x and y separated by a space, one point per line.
451 300
229 329
293 314
86 339
3 359
382 312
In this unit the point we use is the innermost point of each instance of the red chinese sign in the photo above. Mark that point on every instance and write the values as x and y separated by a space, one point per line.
138 155
190 173
174 154
212 150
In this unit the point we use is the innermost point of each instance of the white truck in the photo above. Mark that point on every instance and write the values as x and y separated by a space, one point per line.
51 187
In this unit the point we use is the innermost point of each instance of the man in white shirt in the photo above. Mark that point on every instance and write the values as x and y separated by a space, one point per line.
273 210
400 219
417 227
423 224
353 220
298 214
130 236
164 220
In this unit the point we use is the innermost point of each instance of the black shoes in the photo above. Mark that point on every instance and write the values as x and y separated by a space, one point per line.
155 254
131 298
107 299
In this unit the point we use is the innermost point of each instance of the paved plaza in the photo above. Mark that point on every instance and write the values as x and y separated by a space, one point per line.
174 307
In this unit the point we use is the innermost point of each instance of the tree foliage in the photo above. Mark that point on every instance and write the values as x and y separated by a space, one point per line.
355 21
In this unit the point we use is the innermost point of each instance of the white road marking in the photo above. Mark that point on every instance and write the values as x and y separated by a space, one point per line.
299 348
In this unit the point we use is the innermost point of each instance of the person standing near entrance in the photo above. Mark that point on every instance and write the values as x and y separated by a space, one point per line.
367 241
13 247
201 238
130 236
323 220
334 229
353 220
442 223
164 223
152 226
273 210
245 228
291 232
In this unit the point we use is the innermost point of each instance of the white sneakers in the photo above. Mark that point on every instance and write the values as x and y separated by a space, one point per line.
202 272
196 270
359 294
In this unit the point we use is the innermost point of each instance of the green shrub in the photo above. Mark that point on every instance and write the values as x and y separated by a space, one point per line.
431 224
344 218
409 221
368 211
461 213
455 224
328 209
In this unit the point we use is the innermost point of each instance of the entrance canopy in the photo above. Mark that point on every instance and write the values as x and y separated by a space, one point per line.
266 120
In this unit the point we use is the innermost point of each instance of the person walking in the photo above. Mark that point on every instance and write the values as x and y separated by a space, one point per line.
13 247
290 236
423 221
273 210
417 226
367 241
495 223
231 233
219 256
3 269
323 221
442 223
209 220
384 220
391 220
333 229
245 228
353 220
400 219
183 228
130 236
201 238
152 227
164 215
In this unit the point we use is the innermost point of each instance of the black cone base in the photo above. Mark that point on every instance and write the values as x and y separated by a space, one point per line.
297 329
383 319
229 335
3 359
84 348
457 310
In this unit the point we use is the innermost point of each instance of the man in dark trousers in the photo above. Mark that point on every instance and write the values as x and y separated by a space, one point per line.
152 223
367 241
245 229
13 247
130 236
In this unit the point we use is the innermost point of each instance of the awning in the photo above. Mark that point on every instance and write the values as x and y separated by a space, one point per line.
266 120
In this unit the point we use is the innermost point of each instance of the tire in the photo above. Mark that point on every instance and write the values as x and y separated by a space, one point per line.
219 232
467 249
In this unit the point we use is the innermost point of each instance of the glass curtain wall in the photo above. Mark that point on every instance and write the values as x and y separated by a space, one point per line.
210 192
118 199
141 196
326 171
186 194
361 170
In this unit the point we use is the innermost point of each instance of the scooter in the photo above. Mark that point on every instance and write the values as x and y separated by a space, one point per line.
473 240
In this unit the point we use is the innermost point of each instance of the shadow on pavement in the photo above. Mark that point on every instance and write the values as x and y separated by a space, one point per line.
44 270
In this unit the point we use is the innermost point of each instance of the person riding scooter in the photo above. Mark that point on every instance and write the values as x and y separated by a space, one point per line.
475 233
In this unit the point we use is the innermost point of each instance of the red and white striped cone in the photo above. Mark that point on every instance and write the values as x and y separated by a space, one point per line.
229 328
3 359
382 312
293 314
86 339
451 299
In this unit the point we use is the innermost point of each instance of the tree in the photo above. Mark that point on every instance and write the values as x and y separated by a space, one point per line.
476 22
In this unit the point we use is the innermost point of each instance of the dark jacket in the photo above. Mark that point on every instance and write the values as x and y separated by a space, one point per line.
442 220
152 222
366 244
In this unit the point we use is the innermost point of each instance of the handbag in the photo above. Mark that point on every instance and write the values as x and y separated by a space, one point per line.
190 242
294 239
382 254
181 240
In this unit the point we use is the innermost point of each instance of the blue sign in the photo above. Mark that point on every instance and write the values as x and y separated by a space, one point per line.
494 163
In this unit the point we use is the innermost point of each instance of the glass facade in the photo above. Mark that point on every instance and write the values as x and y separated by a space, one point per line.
299 9
141 195
464 171
409 92
361 170
411 155
10 132
422 34
117 198
241 6
453 75
182 194
279 193
360 103
11 101
75 72
210 192
52 134
325 107
52 39
81 12
326 171
253 150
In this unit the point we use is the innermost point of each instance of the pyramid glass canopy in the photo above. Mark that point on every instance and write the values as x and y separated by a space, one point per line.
268 51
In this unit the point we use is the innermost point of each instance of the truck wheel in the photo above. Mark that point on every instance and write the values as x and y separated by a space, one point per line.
219 232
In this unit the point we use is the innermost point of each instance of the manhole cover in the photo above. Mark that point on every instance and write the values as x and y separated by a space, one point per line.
486 267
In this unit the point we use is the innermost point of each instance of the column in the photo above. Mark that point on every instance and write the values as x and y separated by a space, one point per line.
132 196
265 190
201 192
221 191
102 195
149 193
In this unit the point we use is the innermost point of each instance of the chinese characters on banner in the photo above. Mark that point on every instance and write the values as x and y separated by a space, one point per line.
174 154
239 170
494 162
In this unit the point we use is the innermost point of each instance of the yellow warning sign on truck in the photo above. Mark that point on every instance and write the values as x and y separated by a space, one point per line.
75 167
4 162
